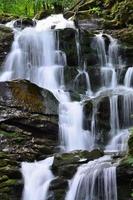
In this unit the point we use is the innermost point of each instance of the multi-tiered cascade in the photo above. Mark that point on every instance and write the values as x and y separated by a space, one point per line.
36 56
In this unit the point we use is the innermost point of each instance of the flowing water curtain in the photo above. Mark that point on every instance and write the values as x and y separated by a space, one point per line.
94 181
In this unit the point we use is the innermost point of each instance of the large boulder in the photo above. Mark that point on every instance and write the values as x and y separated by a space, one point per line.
26 96
28 131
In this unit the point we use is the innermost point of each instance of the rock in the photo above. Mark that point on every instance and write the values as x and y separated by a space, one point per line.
68 46
58 183
6 38
124 181
66 164
102 116
26 106
125 173
26 96
4 18
24 22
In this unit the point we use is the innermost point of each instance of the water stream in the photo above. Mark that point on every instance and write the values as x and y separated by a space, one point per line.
35 56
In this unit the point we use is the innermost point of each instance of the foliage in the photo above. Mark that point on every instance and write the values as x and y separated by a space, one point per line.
31 7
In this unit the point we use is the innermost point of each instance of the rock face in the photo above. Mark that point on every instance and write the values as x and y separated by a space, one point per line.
28 131
6 38
125 174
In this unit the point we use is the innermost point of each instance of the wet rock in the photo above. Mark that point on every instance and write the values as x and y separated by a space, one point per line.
77 83
24 22
4 18
6 39
125 173
68 45
66 164
102 117
58 183
26 96
124 181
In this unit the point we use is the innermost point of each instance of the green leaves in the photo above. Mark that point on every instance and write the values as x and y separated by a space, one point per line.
31 7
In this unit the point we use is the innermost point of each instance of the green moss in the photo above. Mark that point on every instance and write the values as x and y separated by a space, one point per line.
9 183
128 160
122 12
8 134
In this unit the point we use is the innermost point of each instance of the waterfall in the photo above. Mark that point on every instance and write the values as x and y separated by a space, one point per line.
37 177
83 73
119 142
127 109
101 51
128 81
114 116
109 78
35 56
94 180
107 50
72 134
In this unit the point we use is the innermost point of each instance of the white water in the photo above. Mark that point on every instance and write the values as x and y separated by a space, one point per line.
82 73
37 177
129 77
71 123
128 109
119 142
114 117
109 78
108 58
94 180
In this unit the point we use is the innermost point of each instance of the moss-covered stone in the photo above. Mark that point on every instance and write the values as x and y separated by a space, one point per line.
4 18
8 183
66 164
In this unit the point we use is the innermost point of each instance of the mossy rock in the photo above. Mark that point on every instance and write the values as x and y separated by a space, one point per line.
11 171
130 144
9 183
65 162
4 18
122 12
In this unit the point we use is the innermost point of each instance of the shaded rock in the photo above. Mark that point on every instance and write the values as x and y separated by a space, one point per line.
66 164
4 18
68 45
6 39
24 22
124 181
58 183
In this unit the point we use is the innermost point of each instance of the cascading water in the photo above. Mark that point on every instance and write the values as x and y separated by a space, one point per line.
114 118
95 180
128 81
107 50
83 73
71 123
36 56
37 177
